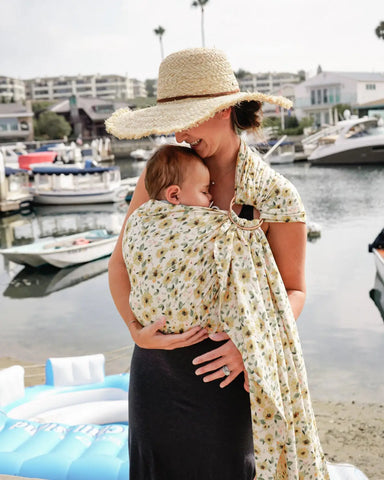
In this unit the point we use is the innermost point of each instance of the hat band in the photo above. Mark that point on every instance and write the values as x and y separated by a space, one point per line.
207 95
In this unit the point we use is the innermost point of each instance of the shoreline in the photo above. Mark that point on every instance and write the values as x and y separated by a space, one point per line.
350 432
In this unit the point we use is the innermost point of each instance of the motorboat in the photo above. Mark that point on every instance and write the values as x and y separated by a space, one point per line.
63 251
272 151
356 141
14 188
11 154
141 154
284 153
59 185
377 248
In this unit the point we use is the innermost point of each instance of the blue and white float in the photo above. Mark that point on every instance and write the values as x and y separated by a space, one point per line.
75 427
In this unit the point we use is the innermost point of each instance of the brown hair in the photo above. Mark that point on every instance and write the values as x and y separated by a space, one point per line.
247 115
166 167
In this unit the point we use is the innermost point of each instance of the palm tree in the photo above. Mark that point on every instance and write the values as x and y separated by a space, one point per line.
380 30
201 4
160 32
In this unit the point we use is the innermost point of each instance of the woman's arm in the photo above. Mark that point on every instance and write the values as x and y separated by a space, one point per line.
119 285
288 243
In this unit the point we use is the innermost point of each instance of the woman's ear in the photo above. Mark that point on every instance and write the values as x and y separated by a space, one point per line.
172 194
224 114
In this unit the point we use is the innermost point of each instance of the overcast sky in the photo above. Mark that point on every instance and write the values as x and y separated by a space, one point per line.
70 37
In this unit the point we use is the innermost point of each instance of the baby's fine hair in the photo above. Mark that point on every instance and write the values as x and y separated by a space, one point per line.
167 166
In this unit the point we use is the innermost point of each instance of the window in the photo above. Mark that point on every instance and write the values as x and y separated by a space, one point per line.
325 96
370 86
313 99
8 124
318 96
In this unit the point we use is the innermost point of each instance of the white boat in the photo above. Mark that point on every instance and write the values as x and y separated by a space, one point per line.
66 185
272 151
141 154
355 141
64 251
14 188
284 153
11 154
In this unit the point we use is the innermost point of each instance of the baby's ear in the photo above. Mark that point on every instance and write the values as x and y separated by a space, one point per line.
172 194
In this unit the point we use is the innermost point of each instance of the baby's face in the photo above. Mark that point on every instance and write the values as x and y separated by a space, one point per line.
195 188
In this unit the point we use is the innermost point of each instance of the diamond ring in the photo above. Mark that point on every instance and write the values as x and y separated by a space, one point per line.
226 370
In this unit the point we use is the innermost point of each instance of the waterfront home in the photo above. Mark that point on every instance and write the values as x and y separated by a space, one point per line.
16 122
318 96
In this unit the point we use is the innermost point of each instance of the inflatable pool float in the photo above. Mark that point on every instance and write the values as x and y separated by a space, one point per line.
75 427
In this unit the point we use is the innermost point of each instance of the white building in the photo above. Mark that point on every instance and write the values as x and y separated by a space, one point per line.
267 82
318 96
95 86
11 90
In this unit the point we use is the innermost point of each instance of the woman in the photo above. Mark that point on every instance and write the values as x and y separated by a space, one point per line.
181 427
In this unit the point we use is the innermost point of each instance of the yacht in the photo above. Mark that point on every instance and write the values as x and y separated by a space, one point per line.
356 141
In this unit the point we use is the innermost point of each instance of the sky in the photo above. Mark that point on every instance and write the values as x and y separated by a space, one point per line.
40 38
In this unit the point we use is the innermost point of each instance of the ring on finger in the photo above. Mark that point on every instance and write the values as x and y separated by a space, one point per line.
226 370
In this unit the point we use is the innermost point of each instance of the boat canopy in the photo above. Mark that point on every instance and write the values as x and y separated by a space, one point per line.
72 170
13 171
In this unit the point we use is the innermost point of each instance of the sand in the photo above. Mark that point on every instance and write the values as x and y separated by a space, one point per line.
350 432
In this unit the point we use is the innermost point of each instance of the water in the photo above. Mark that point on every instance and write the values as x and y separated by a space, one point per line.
70 311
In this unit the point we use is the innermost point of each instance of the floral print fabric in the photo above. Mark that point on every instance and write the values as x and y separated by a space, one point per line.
198 265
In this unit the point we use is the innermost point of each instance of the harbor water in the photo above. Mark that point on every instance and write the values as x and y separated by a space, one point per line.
50 313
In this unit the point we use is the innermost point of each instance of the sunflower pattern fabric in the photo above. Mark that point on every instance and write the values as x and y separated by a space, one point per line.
202 266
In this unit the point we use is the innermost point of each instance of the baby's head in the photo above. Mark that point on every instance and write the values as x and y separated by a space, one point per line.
177 174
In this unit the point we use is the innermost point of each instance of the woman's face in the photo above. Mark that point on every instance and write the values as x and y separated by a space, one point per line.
208 138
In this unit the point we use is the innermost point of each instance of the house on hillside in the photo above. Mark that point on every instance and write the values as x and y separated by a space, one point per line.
87 115
16 122
318 96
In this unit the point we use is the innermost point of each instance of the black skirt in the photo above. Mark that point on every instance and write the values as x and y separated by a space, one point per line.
181 428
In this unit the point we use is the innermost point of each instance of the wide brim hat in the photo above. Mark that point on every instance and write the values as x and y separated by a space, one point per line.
193 85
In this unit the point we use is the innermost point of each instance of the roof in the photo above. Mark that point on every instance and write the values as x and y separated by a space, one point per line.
335 76
15 110
362 76
95 108
374 103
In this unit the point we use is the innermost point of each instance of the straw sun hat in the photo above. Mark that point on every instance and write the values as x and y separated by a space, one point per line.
193 85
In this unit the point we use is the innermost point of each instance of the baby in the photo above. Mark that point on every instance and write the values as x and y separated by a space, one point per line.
179 176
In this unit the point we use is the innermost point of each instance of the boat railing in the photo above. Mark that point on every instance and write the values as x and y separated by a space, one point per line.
100 180
333 129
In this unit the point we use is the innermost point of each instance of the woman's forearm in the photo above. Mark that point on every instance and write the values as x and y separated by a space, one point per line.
120 287
296 299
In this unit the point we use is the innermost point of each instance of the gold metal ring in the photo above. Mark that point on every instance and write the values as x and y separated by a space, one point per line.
242 227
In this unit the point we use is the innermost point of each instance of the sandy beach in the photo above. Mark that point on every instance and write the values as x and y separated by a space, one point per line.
350 432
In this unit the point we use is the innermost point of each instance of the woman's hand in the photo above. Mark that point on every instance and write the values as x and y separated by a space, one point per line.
151 337
227 355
